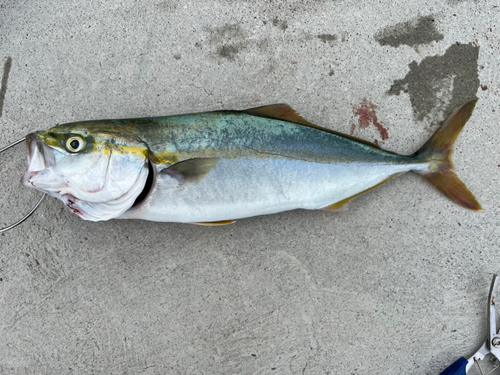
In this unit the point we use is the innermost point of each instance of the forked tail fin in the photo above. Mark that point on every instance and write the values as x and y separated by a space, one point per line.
438 151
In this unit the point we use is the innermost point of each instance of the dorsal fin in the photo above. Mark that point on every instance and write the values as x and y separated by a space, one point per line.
286 113
279 111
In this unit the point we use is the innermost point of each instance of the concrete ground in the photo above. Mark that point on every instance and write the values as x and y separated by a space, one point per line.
395 285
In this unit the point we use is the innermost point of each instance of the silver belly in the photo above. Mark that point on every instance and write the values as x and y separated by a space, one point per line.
239 188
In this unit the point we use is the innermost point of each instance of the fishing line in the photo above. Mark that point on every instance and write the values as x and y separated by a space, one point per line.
33 209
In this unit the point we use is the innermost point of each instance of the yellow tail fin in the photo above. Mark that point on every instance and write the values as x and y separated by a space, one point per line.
439 149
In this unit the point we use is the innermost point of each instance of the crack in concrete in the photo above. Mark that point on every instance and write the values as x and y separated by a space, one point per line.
208 93
5 78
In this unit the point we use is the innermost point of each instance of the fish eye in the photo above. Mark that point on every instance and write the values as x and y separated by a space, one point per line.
75 144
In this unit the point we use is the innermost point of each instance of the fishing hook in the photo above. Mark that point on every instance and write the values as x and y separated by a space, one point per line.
34 208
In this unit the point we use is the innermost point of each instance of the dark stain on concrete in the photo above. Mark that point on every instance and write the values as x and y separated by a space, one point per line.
331 73
168 6
228 51
229 40
264 44
283 25
5 78
178 56
413 33
327 38
426 81
226 32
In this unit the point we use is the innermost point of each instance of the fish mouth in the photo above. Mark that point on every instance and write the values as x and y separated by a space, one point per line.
41 159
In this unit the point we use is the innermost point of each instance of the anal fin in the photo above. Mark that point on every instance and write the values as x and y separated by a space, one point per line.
215 223
342 205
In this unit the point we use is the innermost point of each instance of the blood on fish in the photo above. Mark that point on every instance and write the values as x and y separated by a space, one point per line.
367 114
73 209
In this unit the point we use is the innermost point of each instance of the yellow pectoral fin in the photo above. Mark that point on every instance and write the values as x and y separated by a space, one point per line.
342 205
214 223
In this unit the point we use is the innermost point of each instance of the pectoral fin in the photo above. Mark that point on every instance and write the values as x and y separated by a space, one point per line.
215 223
190 171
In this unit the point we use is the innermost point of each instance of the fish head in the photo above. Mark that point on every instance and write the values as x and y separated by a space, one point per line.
97 173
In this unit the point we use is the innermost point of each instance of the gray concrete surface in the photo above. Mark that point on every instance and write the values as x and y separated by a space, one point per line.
395 285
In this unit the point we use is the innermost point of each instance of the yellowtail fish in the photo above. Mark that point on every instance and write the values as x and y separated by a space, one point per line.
213 168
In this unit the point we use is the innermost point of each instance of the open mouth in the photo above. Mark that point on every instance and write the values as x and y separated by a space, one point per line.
40 156
40 160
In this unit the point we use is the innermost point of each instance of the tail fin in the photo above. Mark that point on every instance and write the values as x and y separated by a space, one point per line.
438 149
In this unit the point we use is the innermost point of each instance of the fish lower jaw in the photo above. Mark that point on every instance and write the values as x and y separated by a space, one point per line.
27 179
30 180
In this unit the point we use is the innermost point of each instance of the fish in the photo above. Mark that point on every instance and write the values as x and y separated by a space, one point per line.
214 168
